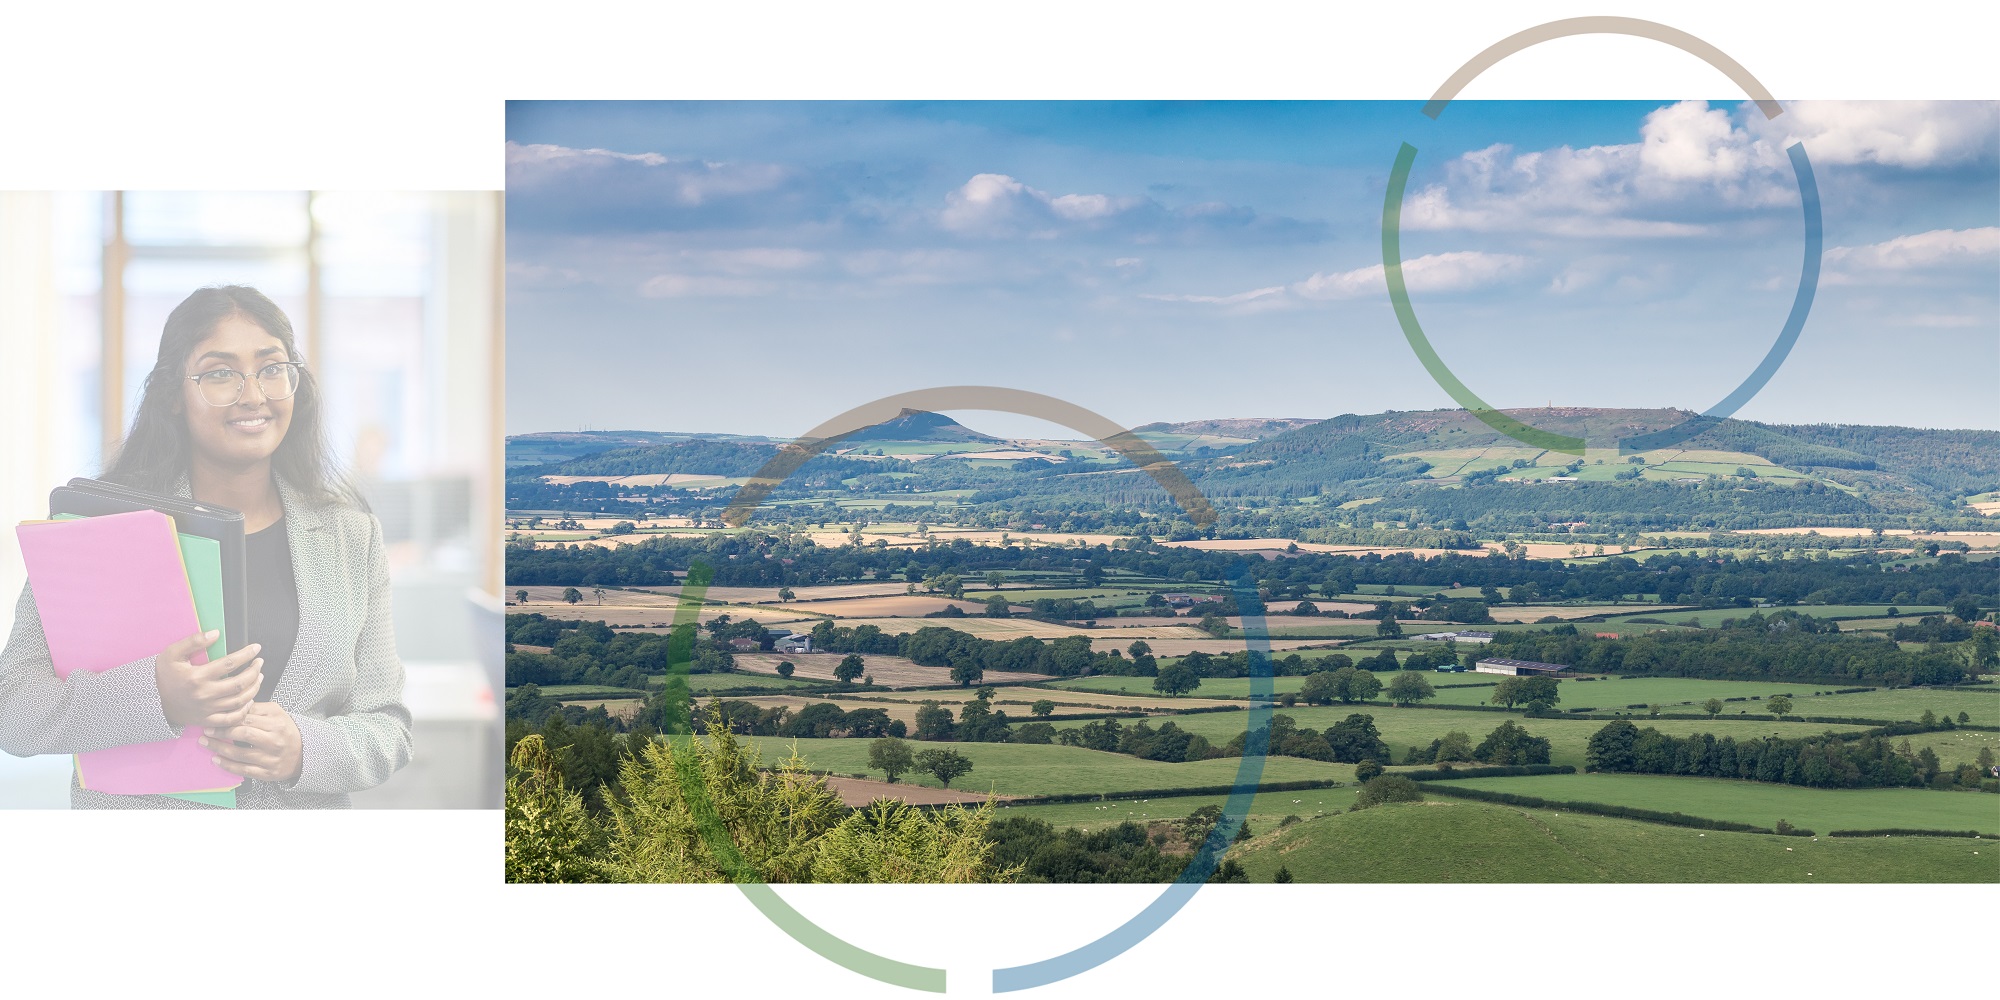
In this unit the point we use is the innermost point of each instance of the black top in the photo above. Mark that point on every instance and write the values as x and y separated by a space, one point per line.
273 599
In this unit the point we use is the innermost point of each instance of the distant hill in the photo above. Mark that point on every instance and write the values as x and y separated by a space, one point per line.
1944 465
547 447
1247 428
920 425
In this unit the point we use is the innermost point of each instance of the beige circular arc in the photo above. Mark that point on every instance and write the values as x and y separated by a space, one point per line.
1603 25
970 397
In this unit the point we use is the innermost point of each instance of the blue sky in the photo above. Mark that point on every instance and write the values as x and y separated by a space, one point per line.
759 267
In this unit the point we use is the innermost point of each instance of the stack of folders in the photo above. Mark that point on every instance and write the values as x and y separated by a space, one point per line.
118 576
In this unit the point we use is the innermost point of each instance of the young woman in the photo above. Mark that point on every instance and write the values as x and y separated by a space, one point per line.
231 417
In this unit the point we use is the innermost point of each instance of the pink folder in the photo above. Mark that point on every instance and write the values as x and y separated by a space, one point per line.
111 590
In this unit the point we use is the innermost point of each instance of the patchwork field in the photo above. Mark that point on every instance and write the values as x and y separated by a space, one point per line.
1566 612
886 606
1982 707
1820 809
1013 628
1017 769
1676 694
704 683
1711 617
1214 687
1461 841
1267 809
1014 700
888 671
858 792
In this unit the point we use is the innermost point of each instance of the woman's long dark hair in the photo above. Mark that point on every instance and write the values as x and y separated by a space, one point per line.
158 450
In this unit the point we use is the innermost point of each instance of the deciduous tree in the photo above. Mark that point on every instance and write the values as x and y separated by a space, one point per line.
944 765
891 756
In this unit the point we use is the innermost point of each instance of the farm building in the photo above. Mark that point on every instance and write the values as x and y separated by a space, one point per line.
1179 600
1475 637
1519 668
743 645
793 643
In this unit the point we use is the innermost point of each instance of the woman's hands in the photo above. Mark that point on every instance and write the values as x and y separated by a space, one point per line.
194 694
269 749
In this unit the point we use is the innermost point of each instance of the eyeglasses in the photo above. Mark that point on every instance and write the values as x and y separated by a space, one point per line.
224 386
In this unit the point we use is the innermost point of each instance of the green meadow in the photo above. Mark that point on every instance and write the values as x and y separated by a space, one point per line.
1455 840
1822 810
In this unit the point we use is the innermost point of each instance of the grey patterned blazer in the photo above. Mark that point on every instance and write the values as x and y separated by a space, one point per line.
343 685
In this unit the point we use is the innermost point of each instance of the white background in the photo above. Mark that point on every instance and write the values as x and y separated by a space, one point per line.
407 96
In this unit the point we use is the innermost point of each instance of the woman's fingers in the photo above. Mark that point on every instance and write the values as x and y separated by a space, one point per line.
224 720
248 754
183 650
242 734
220 690
224 666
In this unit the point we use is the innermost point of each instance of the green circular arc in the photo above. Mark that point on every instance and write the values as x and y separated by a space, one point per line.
1413 331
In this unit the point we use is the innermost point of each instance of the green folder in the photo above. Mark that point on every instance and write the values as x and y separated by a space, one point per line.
203 559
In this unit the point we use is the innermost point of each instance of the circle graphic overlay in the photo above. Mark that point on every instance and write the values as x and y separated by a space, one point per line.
1170 478
1392 256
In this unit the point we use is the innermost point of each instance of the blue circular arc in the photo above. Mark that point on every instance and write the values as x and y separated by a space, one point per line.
1802 302
1162 909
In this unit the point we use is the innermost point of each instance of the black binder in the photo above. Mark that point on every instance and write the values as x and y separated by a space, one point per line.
95 498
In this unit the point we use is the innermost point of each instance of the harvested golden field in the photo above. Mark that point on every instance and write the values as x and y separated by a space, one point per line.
888 671
1182 647
1017 700
1013 628
892 606
619 708
1561 550
609 599
1532 614
1975 539
650 618
611 541
769 595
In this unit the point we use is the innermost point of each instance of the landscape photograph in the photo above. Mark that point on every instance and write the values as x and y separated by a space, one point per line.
1057 492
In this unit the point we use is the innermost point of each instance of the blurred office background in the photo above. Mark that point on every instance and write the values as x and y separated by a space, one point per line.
395 298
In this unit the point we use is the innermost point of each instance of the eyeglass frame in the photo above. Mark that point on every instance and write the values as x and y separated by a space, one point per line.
243 380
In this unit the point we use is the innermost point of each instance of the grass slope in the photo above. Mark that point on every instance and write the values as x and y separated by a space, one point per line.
1763 803
1267 809
1476 842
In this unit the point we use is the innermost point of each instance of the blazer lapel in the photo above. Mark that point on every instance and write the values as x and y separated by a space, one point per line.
312 561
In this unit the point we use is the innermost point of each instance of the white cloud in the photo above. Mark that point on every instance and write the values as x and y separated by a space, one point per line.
1459 270
1693 161
1919 258
688 182
1939 247
1909 134
999 205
